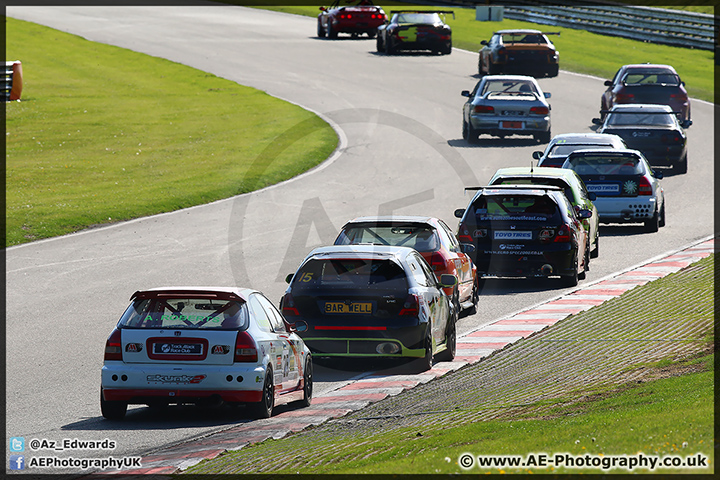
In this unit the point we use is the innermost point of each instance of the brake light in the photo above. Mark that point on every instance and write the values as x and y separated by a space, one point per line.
288 305
679 96
463 234
624 97
411 306
563 234
113 346
245 348
670 138
437 262
539 111
502 51
645 188
483 109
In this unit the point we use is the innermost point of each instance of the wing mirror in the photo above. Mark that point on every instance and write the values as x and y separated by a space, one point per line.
657 174
467 247
537 155
686 123
459 212
447 280
597 121
289 278
547 94
584 213
608 83
465 93
484 42
299 326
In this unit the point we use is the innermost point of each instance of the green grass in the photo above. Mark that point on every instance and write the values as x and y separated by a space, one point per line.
104 134
624 422
580 51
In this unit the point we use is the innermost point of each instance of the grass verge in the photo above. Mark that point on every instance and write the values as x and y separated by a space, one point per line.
633 375
104 134
580 51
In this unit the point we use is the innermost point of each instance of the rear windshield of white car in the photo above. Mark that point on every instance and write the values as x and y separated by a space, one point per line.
508 87
422 239
351 273
602 165
186 313
648 119
516 207
563 150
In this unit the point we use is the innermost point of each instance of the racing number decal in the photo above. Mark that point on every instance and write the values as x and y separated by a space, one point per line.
306 277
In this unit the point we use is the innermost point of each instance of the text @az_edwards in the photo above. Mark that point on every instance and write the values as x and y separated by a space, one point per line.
468 461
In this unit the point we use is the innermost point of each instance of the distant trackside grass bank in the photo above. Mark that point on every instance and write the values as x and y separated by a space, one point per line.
580 51
104 134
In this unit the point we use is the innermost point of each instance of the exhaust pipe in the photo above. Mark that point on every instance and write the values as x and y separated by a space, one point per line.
627 215
546 269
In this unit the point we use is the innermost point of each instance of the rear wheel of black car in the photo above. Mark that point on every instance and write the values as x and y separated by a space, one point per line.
320 30
448 355
653 225
681 166
447 50
425 363
264 408
372 33
553 71
389 47
571 280
379 44
112 410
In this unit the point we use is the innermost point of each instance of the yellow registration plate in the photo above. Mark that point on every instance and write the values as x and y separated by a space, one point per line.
361 308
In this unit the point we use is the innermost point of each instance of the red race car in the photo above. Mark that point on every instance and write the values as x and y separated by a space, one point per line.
350 16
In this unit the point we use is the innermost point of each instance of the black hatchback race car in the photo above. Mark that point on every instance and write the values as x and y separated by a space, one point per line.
525 231
652 129
415 30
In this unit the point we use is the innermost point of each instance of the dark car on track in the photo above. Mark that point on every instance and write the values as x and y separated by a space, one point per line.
522 52
415 30
569 181
653 129
525 231
364 301
428 235
627 188
564 144
647 83
355 17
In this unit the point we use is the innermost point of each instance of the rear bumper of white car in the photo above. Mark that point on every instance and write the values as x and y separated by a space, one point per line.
173 384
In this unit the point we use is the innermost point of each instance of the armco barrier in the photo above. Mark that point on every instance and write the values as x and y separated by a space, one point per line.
13 80
646 24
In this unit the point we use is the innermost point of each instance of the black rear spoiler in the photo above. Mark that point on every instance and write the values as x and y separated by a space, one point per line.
392 12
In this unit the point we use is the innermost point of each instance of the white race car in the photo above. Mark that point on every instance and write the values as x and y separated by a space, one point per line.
202 344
